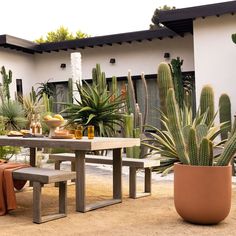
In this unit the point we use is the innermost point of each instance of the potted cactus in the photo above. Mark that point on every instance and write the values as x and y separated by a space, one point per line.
202 184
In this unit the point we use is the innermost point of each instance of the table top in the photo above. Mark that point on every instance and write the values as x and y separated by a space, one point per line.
98 143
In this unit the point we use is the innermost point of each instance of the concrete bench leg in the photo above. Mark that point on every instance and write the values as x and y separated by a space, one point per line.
73 169
37 215
57 167
133 183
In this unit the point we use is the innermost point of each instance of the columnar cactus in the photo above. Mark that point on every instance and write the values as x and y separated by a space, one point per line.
114 87
33 95
164 83
48 103
207 103
132 99
229 151
128 130
70 90
225 114
198 149
145 98
7 80
193 148
204 152
178 81
234 38
99 78
175 127
133 108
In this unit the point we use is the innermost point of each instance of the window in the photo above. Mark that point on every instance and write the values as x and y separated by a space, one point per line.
19 88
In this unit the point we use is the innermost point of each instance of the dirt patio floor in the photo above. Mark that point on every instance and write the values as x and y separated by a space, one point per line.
153 215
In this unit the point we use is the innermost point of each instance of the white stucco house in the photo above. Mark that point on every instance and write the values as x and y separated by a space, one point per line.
201 36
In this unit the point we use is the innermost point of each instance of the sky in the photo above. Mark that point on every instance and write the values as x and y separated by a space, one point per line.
30 19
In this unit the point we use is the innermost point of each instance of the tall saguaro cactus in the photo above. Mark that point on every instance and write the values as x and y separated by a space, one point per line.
207 103
164 82
7 80
225 114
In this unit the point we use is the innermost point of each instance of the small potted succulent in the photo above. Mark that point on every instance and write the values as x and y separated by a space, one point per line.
202 184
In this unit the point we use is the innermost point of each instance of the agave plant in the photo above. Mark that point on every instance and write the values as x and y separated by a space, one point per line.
163 142
13 115
99 109
44 88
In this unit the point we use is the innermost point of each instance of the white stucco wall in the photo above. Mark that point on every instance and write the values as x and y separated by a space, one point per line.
136 56
215 56
22 66
139 57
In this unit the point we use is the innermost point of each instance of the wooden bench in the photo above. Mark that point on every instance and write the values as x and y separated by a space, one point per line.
134 165
39 177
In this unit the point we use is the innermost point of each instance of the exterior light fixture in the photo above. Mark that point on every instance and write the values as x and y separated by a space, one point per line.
166 55
112 60
63 65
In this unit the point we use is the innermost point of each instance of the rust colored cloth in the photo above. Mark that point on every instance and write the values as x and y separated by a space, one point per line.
7 184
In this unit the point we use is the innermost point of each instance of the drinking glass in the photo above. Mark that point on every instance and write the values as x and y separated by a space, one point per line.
90 132
79 132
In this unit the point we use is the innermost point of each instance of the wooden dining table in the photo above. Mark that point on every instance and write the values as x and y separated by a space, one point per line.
80 147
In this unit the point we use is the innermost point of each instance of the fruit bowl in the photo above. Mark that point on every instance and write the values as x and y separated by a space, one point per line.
53 124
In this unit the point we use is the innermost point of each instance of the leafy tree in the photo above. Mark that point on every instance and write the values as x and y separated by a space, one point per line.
155 16
61 34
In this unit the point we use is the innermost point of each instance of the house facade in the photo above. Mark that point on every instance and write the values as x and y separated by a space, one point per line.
201 36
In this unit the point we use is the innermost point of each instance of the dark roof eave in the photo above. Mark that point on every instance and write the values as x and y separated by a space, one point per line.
198 11
8 41
12 42
181 20
107 39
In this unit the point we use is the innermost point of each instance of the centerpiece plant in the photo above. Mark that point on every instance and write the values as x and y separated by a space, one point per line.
202 183
97 107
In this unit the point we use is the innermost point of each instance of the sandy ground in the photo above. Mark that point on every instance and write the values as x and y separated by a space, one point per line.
153 215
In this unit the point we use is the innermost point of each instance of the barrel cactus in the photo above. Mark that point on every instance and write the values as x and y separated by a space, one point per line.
225 114
207 103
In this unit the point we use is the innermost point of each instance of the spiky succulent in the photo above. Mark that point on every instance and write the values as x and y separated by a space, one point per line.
98 108
179 133
13 115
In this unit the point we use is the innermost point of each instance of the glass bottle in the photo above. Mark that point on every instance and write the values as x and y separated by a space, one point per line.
38 125
32 125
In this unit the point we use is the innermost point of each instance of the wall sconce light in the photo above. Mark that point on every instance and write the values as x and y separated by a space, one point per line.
63 65
166 55
112 60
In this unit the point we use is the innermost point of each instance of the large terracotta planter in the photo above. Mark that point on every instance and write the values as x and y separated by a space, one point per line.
202 194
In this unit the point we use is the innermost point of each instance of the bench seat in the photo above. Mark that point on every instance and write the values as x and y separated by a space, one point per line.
132 163
39 177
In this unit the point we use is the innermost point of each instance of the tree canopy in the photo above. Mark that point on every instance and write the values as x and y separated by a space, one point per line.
61 34
155 16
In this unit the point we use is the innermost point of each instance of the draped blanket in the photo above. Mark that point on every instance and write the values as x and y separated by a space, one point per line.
7 185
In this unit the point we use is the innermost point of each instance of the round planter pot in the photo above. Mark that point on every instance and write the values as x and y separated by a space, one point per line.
202 194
